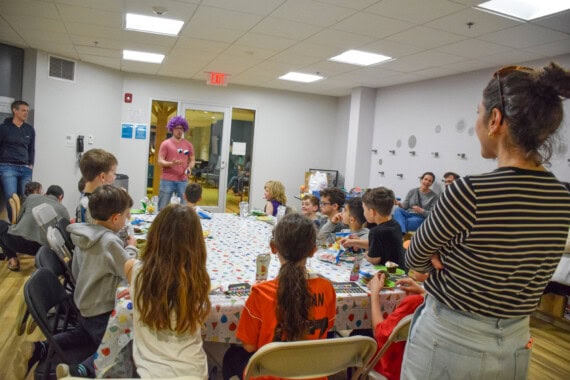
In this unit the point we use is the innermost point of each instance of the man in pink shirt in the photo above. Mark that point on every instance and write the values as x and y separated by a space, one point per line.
176 157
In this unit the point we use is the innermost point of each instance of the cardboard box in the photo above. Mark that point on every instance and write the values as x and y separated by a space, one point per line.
553 305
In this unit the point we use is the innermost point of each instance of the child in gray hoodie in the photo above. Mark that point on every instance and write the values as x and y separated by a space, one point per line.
98 266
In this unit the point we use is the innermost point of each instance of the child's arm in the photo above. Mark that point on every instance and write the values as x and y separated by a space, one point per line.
355 243
269 208
129 264
376 285
372 260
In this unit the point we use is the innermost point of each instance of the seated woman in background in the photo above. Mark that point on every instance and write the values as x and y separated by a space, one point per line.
283 309
493 240
411 213
275 197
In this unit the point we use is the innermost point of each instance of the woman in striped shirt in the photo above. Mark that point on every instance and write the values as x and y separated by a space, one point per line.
493 240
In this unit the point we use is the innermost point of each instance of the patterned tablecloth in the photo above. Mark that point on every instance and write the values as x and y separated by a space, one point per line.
233 245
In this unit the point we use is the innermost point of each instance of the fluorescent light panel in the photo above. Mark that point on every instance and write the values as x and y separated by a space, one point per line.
141 56
360 58
300 77
149 24
525 9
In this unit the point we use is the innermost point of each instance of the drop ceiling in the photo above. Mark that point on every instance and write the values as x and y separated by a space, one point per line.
256 41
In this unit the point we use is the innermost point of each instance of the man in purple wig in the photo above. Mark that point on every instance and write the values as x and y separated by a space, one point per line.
176 157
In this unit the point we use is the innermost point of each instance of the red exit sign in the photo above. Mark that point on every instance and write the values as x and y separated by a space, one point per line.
217 79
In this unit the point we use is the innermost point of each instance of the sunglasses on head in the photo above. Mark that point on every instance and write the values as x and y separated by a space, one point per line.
504 71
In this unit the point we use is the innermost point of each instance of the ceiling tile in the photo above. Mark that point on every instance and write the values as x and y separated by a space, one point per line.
230 65
42 24
559 22
90 16
176 10
258 7
114 63
422 61
426 38
311 12
510 57
523 36
264 41
415 11
139 67
552 49
273 26
328 68
483 23
101 32
9 35
340 39
195 44
211 32
106 5
391 48
352 4
209 17
248 52
314 50
193 64
9 9
372 25
471 48
92 51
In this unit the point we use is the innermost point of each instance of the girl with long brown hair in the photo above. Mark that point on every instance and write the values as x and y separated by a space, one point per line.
170 287
294 306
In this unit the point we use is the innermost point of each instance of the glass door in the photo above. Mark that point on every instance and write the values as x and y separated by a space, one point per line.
209 134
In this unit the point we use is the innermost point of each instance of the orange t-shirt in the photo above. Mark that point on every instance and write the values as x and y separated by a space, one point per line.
258 320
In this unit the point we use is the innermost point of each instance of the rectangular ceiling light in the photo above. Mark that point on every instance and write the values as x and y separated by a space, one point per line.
300 77
360 58
149 24
142 56
525 9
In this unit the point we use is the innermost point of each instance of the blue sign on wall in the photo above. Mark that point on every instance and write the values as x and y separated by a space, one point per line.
126 131
140 132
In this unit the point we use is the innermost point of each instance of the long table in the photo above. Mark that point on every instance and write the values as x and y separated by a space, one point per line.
233 244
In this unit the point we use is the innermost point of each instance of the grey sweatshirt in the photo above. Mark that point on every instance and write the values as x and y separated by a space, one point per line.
98 266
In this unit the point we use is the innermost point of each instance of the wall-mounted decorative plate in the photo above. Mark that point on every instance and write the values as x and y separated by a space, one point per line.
412 141
460 126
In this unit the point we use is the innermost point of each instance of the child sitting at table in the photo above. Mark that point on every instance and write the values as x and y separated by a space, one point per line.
353 216
193 194
294 306
310 208
169 288
275 197
98 266
98 167
384 239
390 364
332 202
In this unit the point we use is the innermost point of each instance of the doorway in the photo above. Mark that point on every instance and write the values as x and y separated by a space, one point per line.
223 146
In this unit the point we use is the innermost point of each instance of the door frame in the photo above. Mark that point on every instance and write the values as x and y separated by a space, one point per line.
224 147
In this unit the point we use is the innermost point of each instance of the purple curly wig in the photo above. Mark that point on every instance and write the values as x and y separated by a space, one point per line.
175 122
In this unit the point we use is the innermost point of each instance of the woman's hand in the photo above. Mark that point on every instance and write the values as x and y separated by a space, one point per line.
410 286
337 218
377 283
125 293
436 262
417 209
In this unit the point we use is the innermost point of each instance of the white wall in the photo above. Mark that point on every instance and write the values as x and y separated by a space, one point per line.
417 108
89 106
293 131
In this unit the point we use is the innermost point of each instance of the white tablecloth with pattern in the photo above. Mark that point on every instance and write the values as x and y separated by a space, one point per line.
233 244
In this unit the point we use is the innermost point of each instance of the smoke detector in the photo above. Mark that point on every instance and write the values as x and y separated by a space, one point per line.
158 10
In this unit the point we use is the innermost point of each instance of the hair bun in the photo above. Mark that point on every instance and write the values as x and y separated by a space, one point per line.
553 80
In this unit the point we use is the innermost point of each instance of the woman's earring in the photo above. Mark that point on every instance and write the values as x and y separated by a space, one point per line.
491 134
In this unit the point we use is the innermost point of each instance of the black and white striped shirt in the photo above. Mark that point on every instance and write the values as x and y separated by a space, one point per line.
499 236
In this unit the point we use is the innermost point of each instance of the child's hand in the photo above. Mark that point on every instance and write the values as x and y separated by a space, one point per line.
125 293
347 243
409 286
131 241
337 218
377 283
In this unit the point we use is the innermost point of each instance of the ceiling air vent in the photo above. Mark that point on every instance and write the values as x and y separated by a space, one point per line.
61 68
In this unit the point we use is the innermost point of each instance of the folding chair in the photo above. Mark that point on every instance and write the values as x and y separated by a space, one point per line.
53 309
46 258
44 216
57 244
15 205
399 334
310 358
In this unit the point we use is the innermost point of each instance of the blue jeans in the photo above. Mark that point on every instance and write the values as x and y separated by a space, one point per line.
450 344
408 221
14 179
167 188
